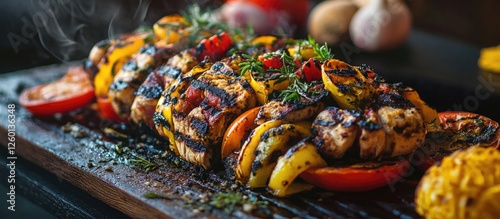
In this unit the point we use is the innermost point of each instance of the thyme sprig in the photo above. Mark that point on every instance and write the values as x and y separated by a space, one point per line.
323 53
144 163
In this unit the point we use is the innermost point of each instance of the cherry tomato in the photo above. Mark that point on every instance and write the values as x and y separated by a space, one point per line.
215 47
106 110
270 60
74 90
358 177
310 70
237 131
459 130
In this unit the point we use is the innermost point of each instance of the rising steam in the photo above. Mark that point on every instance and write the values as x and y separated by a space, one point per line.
68 29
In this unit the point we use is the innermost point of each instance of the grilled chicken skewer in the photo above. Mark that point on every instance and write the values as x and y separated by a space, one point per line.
202 115
122 91
149 93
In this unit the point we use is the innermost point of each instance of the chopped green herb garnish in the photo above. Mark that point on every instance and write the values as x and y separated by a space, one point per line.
251 65
323 53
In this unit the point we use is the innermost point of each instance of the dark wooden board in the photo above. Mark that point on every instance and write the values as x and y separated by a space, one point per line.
45 144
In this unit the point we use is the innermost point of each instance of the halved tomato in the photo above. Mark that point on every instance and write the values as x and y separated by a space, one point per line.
457 131
358 177
74 90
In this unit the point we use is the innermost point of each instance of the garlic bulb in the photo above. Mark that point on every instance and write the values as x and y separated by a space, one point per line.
380 25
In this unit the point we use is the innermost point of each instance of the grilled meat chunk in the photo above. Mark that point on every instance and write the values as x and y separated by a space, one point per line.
402 122
145 101
133 73
392 126
372 136
202 114
294 110
335 131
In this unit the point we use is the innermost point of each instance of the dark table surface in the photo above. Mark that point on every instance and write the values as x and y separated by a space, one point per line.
444 71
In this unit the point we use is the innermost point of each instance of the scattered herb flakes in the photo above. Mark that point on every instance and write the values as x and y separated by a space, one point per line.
230 200
152 195
145 164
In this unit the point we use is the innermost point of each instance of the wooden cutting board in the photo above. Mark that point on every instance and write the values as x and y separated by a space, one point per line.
91 163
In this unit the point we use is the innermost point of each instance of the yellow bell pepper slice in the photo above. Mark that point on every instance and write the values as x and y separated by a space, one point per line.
264 86
247 155
171 28
117 55
265 40
297 159
429 114
305 52
347 85
271 147
164 123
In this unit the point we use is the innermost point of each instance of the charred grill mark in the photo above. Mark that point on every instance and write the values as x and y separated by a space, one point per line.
150 92
226 98
273 157
325 123
199 125
349 71
369 125
148 49
393 100
170 71
343 88
191 143
131 65
217 66
160 120
256 166
118 85
221 68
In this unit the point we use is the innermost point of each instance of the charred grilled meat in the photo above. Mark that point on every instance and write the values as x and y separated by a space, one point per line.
202 114
133 73
149 93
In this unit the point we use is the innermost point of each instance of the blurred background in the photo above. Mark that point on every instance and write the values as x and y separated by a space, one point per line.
50 31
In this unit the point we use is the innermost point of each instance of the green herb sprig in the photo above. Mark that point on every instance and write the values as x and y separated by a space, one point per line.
323 53
252 65
144 163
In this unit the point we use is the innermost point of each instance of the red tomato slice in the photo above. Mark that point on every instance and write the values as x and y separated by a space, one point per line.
358 177
215 47
107 111
310 70
238 130
74 90
458 131
270 60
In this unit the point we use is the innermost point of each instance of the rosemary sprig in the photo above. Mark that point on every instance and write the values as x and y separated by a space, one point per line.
323 53
252 65
144 163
